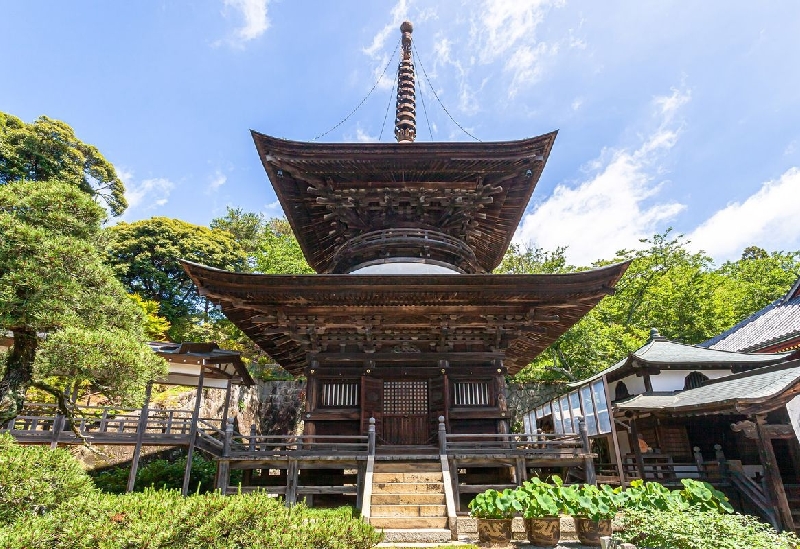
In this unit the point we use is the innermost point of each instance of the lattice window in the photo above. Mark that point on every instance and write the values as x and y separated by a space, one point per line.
405 397
471 393
339 395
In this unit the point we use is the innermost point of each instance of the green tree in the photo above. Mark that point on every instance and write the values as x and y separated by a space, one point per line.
48 149
666 286
54 283
760 278
247 228
155 326
529 259
146 257
279 251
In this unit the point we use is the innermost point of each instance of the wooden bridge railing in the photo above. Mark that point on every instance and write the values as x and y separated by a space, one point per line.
43 421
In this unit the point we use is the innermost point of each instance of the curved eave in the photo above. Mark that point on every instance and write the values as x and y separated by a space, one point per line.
244 297
411 164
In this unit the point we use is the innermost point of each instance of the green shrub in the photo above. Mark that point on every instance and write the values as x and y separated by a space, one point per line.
35 479
162 474
163 519
492 504
701 530
695 496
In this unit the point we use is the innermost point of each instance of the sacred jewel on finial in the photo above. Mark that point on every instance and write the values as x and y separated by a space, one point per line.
405 122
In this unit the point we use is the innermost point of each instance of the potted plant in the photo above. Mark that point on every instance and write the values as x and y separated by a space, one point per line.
494 511
542 505
592 508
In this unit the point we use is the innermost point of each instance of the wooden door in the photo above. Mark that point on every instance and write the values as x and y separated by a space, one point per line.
405 412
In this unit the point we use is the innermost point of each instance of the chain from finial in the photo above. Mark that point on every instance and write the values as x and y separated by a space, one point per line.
405 123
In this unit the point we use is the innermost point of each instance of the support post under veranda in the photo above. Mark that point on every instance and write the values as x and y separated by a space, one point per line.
193 432
140 430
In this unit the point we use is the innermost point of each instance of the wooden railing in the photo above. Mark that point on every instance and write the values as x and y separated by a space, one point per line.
514 444
235 445
43 421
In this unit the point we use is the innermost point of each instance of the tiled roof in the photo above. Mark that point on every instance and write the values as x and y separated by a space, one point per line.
659 351
735 391
777 322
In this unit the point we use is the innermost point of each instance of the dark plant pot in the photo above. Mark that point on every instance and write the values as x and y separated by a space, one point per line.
494 531
543 531
590 531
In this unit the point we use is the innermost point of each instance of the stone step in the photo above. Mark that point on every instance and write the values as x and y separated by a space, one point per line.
416 535
408 510
409 522
407 487
407 499
407 467
431 476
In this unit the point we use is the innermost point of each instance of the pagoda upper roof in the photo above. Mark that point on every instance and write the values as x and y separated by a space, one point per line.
334 192
350 317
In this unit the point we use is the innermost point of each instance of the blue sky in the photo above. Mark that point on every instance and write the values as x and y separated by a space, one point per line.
669 113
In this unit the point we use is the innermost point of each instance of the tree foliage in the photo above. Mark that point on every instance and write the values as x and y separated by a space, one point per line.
54 283
146 257
667 286
49 149
279 251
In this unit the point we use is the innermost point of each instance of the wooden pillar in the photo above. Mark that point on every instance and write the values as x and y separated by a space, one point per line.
193 432
633 440
224 465
226 407
775 491
140 430
614 437
588 463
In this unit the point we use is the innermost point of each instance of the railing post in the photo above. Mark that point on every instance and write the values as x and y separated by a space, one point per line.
371 437
588 463
442 437
252 445
58 425
698 459
226 445
103 420
723 463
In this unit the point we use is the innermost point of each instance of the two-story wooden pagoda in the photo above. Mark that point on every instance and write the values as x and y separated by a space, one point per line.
404 322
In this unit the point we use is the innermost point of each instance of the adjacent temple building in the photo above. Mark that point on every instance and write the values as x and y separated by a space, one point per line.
404 322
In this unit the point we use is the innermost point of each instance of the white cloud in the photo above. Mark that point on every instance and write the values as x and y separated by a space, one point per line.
767 219
144 195
274 209
217 181
399 13
615 207
364 137
506 30
256 22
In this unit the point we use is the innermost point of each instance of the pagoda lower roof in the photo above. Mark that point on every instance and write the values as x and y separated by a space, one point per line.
511 317
334 192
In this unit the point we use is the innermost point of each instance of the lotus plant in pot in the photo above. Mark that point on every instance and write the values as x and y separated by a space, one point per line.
542 505
494 511
592 508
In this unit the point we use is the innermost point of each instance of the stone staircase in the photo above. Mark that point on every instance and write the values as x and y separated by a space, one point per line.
408 502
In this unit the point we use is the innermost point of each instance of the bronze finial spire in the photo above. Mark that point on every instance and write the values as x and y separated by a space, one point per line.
405 122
